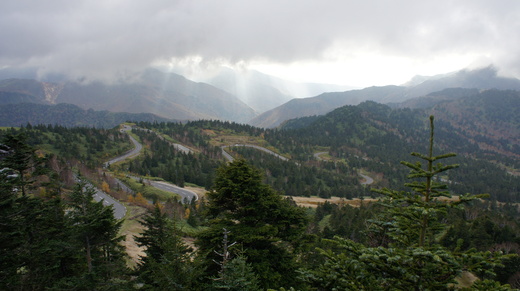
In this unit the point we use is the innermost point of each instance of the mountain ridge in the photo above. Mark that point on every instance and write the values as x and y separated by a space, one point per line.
68 115
260 91
488 120
168 95
484 78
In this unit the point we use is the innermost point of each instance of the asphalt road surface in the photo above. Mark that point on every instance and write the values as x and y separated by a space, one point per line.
119 209
226 155
137 148
368 180
176 146
230 158
317 155
186 195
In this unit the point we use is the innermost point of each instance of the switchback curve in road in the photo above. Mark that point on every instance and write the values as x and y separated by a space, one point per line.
169 187
368 180
184 193
132 153
230 158
119 209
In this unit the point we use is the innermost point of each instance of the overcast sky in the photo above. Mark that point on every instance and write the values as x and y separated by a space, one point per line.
358 43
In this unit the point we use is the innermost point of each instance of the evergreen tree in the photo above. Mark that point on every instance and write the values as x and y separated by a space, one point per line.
36 249
96 233
238 275
167 263
10 237
235 273
266 226
414 260
20 159
47 251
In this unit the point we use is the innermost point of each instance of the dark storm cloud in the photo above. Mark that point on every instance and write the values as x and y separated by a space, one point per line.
98 38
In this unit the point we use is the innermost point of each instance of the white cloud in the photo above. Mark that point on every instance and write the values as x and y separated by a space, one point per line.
366 40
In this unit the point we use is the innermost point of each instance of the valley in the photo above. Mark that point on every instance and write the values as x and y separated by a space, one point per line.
187 195
259 145
292 190
335 179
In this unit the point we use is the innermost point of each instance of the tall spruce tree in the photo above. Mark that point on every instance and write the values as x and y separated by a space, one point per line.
20 158
413 260
265 225
96 231
237 275
167 264
10 236
36 249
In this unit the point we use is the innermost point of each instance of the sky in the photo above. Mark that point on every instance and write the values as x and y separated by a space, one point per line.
355 43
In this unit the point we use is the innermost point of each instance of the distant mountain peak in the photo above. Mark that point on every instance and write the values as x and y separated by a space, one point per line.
165 94
488 71
479 79
419 79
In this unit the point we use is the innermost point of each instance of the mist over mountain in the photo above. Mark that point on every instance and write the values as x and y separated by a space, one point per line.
252 88
165 94
484 78
31 73
241 96
260 91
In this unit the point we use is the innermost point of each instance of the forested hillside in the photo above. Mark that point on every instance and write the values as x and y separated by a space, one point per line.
377 138
240 232
67 115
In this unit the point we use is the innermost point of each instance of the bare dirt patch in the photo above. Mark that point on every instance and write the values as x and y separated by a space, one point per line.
132 227
313 202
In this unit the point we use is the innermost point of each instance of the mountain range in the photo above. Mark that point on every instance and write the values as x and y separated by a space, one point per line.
467 119
165 94
485 78
264 92
231 96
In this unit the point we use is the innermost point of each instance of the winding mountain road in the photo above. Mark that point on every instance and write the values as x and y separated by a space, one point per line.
185 194
119 209
132 153
367 180
230 158
176 146
169 187
317 155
